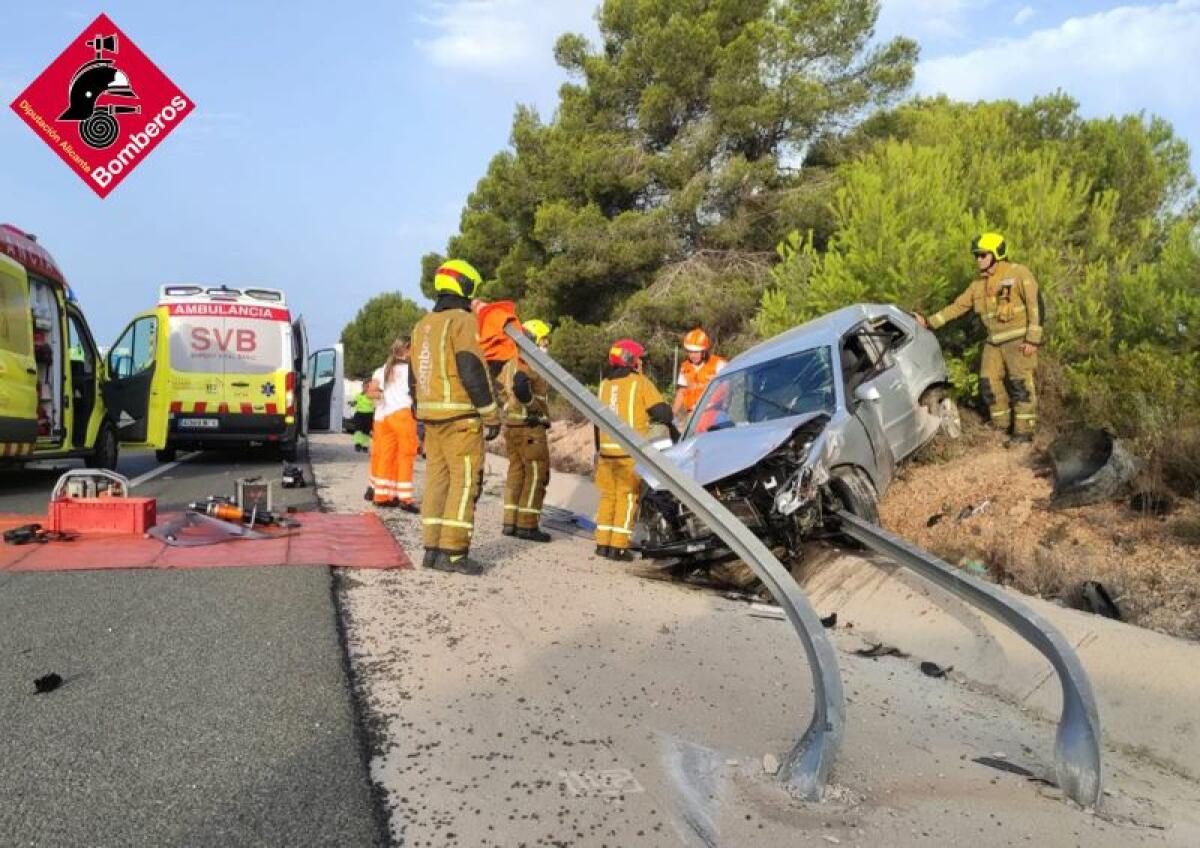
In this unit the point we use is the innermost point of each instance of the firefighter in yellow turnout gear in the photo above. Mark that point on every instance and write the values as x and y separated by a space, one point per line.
453 396
1006 299
636 401
526 419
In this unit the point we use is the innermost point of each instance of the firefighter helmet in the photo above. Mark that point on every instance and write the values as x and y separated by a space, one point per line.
625 353
992 243
457 277
537 328
696 341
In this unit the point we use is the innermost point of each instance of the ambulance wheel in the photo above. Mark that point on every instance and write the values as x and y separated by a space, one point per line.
166 454
106 451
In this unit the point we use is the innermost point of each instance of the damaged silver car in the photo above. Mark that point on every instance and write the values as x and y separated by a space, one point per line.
813 420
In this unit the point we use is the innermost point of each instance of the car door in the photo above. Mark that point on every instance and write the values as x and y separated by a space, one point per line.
858 364
300 363
896 407
324 406
132 365
18 372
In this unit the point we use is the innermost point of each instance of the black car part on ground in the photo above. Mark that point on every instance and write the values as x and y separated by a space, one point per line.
806 768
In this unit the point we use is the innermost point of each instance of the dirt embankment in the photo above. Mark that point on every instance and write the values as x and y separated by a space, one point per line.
986 508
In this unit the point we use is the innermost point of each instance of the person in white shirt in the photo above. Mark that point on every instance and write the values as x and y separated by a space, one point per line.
394 443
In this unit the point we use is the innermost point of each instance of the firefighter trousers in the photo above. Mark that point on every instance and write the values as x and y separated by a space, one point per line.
620 489
528 474
393 452
1007 386
453 466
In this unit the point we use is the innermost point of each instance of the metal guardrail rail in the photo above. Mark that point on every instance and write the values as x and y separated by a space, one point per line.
806 768
1077 745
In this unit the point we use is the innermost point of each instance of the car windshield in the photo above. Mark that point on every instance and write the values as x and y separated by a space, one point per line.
790 385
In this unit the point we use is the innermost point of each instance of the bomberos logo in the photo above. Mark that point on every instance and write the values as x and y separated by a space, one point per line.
102 105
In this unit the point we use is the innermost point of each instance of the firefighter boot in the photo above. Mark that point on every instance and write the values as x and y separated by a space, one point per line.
458 562
430 557
533 534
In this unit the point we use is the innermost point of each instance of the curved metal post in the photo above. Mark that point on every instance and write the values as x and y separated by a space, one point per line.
807 767
1077 746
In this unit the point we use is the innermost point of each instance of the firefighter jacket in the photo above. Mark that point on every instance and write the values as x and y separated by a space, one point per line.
447 377
694 379
1007 301
635 400
525 395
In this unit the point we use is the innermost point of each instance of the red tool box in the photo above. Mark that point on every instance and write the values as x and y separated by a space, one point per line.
103 515
97 501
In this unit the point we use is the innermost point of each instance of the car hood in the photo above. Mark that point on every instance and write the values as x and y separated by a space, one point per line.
714 456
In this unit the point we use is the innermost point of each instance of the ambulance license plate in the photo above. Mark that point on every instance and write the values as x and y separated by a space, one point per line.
199 423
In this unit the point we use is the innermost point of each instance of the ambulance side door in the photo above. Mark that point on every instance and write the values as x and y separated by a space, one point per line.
18 373
129 391
326 392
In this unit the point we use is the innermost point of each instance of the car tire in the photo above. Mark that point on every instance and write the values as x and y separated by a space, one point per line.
855 493
940 405
166 455
107 450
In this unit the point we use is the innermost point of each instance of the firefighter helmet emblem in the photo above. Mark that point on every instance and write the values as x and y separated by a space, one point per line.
100 77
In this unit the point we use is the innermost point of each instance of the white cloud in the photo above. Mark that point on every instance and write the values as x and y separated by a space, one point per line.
926 19
1023 15
508 36
1125 59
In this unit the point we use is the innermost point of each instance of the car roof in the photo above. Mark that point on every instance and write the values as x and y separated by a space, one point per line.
824 331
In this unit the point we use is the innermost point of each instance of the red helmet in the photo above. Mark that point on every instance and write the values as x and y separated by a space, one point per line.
625 353
696 341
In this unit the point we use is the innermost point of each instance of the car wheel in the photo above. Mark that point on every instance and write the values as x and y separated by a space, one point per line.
940 405
855 494
106 451
166 454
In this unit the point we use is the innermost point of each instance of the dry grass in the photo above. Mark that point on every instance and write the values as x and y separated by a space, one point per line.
1148 564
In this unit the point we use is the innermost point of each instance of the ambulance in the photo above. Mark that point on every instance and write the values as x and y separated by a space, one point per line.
212 367
51 371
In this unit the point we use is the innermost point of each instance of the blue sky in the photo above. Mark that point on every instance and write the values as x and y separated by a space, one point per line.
333 145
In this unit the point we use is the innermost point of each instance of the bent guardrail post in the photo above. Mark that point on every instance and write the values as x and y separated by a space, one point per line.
1077 745
807 767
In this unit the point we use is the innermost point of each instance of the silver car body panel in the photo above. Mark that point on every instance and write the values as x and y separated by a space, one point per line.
870 435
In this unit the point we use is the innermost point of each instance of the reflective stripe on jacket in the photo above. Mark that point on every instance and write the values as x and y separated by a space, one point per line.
440 393
630 398
1006 301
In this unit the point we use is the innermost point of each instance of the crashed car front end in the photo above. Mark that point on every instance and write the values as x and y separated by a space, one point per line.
776 488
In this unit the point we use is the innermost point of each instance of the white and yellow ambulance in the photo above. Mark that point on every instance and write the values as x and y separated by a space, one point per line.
210 367
51 370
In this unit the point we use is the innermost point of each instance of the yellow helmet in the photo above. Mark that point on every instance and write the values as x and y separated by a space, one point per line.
992 243
457 277
537 328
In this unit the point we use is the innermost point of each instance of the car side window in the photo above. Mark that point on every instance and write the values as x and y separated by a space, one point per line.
861 359
134 351
888 335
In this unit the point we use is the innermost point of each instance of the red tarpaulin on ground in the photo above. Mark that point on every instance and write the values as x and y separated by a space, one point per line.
323 538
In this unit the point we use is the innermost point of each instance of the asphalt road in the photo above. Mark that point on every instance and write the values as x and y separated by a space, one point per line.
200 707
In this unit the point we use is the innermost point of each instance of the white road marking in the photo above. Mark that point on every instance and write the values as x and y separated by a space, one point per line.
162 469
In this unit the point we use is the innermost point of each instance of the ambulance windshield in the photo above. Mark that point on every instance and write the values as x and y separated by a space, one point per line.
226 338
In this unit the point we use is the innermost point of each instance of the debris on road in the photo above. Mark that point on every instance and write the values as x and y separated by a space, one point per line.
932 669
880 650
770 763
829 620
293 477
47 683
934 519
